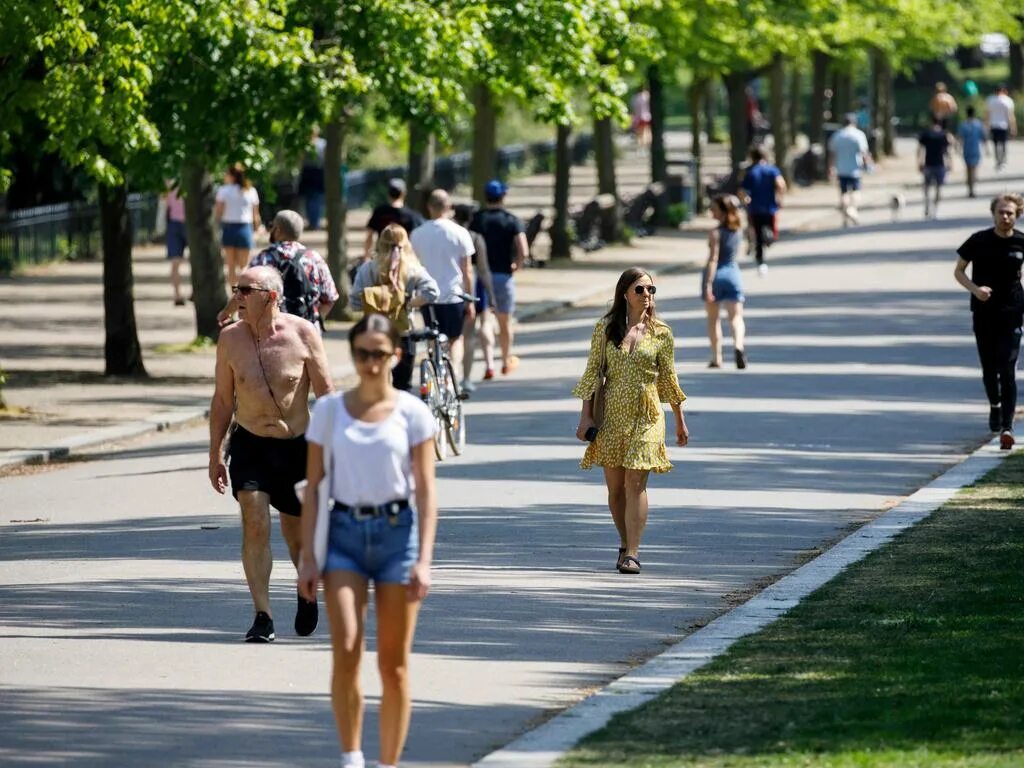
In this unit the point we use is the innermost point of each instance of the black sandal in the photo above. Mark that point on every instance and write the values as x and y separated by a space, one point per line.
629 564
618 560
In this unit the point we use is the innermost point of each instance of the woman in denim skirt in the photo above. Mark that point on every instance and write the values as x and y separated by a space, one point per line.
379 444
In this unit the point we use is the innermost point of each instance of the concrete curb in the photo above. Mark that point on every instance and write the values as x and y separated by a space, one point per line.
544 745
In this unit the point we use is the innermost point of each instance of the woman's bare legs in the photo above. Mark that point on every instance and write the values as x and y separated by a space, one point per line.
714 332
486 325
396 623
614 478
345 596
734 310
636 508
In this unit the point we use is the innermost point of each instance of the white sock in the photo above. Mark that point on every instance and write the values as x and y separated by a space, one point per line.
353 759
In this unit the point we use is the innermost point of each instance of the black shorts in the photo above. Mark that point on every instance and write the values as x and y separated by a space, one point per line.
269 464
449 318
999 135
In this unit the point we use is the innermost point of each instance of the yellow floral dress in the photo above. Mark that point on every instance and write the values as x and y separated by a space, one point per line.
633 433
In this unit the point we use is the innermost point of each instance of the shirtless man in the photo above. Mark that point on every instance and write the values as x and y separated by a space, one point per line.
266 364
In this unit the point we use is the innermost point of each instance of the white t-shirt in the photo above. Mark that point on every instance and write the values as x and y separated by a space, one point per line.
849 149
441 244
1000 107
238 203
372 463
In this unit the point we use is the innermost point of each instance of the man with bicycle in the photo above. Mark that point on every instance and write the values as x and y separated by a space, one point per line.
446 250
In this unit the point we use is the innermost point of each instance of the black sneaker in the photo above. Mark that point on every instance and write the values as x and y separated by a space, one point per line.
995 418
262 629
306 616
741 359
1006 440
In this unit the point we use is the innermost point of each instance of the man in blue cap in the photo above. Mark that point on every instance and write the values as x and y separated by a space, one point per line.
507 248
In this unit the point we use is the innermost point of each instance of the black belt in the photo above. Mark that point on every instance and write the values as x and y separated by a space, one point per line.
390 508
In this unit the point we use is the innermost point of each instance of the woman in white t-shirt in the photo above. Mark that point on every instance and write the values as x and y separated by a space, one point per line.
378 445
237 208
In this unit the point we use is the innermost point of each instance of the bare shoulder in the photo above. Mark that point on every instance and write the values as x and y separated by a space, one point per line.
713 235
231 335
304 330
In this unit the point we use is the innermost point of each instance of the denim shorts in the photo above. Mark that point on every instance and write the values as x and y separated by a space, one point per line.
849 184
236 234
177 239
935 175
380 549
504 293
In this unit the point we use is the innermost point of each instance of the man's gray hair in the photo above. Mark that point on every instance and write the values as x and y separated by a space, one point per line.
268 278
289 225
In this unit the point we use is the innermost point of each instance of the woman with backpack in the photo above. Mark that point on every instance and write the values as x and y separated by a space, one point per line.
391 284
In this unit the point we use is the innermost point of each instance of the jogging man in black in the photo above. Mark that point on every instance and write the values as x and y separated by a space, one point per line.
997 301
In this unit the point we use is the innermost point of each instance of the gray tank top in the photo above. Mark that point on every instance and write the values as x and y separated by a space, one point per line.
728 245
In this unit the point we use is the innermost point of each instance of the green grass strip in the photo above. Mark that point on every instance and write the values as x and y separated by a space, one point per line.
912 657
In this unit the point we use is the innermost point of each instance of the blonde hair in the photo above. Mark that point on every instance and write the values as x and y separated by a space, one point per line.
395 257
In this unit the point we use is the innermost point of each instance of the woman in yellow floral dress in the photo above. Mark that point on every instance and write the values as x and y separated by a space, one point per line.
640 375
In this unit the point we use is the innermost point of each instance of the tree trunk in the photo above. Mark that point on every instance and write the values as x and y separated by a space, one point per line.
820 82
796 101
1016 84
697 90
204 256
735 84
710 112
420 176
337 210
659 161
876 99
888 107
563 164
485 153
842 101
122 350
604 149
778 109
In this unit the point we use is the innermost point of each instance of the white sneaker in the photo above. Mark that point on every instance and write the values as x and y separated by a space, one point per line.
762 269
468 386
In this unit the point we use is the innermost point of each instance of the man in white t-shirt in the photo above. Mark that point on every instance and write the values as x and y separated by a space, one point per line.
1001 121
446 251
848 158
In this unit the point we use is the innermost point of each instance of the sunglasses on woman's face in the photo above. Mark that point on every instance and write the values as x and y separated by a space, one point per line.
639 289
245 290
361 355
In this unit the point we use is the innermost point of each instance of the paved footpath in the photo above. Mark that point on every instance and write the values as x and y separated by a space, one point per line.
122 600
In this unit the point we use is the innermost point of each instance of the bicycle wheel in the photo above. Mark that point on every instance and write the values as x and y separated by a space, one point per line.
431 394
455 424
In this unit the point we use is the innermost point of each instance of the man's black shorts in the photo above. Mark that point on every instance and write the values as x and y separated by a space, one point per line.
269 464
449 318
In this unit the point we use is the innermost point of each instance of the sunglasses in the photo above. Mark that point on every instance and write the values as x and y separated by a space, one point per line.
651 289
361 355
245 290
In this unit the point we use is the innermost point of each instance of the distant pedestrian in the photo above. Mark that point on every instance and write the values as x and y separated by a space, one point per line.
370 515
1001 121
394 211
996 256
237 208
481 327
971 134
311 178
630 372
266 366
942 105
507 250
176 239
934 161
641 122
849 157
762 189
721 285
392 284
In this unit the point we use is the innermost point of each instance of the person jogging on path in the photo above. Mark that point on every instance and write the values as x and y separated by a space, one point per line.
934 162
1001 121
997 303
266 365
848 149
762 190
972 143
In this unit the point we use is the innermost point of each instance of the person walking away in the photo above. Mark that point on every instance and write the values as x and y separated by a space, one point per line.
721 284
942 105
971 134
762 189
266 366
446 251
849 155
309 288
933 159
1001 121
507 249
371 454
311 178
996 256
394 211
482 326
392 284
632 353
237 209
641 122
176 239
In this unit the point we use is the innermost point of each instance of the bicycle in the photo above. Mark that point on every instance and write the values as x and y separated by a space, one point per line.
439 389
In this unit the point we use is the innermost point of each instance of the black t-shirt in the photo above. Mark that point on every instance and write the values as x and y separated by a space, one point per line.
499 228
386 213
996 262
936 144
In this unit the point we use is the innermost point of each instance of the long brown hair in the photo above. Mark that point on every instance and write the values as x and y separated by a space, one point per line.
615 318
730 206
237 174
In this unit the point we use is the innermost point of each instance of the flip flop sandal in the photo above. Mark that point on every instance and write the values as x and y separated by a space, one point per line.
618 560
629 565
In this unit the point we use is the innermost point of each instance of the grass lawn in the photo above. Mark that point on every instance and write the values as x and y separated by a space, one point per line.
912 657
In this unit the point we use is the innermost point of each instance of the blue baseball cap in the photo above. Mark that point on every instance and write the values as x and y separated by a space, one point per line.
495 189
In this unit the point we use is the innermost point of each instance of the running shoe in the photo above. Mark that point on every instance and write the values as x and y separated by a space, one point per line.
510 365
488 374
741 359
306 616
1006 440
762 270
262 629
